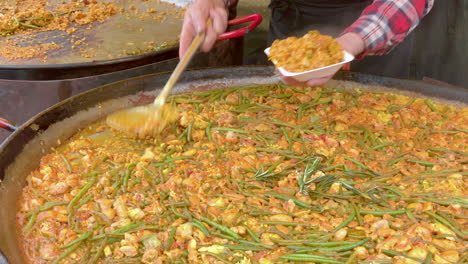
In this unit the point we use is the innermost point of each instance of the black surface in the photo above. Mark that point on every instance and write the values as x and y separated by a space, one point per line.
85 69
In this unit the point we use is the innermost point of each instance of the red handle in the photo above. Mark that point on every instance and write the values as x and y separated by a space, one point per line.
7 125
346 67
256 20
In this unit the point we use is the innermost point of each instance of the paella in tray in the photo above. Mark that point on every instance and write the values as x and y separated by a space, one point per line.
259 174
39 32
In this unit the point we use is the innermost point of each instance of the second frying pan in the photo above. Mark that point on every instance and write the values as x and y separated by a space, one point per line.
141 33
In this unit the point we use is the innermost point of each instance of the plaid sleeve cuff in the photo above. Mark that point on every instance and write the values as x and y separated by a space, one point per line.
384 24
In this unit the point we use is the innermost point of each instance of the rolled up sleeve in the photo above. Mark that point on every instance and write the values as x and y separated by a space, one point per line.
385 23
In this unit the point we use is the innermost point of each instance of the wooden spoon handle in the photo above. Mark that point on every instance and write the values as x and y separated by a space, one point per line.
161 99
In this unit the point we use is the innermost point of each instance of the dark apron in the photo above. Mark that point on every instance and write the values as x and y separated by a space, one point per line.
331 17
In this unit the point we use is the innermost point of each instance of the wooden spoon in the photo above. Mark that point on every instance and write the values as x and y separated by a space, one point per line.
150 120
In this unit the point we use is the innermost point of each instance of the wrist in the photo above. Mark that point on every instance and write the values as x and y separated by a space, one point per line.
352 43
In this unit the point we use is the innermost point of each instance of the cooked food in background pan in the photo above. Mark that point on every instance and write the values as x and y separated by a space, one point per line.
38 28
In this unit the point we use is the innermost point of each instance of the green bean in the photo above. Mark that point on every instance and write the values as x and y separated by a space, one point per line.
310 258
328 244
208 131
346 247
286 154
71 205
178 214
197 108
189 131
198 224
170 241
396 212
216 257
431 105
324 101
283 223
67 252
252 234
346 221
352 259
67 164
224 236
127 176
46 206
177 158
397 108
428 259
30 223
357 213
447 223
280 96
118 231
183 134
300 110
255 244
37 193
243 247
336 166
222 228
441 202
187 101
126 228
286 136
411 216
240 131
393 253
394 191
396 160
83 237
425 163
361 165
148 171
107 236
382 145
282 123
84 201
85 257
309 242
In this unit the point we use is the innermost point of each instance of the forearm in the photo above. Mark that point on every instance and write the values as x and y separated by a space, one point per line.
352 43
386 23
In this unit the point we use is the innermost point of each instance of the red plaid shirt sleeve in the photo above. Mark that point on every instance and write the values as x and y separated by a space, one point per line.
386 23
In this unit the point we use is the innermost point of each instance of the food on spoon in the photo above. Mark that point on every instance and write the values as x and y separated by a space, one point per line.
259 174
309 52
144 121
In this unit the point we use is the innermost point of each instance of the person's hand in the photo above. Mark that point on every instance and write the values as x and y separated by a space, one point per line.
351 42
195 22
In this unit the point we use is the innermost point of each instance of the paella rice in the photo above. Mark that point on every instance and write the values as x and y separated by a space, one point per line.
259 174
309 52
